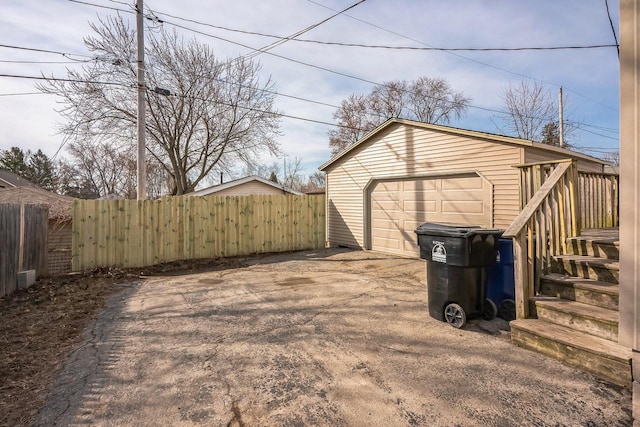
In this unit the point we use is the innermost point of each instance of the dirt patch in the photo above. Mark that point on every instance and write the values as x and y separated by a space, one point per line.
40 326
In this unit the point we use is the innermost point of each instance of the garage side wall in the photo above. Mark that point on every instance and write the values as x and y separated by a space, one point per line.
536 155
405 151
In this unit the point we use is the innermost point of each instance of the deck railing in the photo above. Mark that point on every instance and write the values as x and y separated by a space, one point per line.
547 219
599 199
556 202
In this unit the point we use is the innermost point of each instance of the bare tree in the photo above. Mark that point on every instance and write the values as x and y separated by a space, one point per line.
530 109
292 174
206 116
613 157
315 182
533 114
424 99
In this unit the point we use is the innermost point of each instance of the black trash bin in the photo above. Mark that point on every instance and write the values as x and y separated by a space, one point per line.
456 279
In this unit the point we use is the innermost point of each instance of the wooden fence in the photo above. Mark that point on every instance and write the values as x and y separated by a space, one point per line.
131 233
23 243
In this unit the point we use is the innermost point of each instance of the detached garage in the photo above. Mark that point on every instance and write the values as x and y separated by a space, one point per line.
405 173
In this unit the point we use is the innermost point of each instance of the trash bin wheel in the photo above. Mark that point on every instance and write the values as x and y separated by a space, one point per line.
489 310
507 309
455 316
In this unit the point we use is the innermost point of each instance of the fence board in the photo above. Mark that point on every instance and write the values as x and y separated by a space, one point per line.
129 233
34 253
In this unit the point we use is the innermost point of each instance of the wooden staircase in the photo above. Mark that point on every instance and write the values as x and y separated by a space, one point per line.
576 309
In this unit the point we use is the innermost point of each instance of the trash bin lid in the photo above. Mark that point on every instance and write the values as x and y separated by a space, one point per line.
450 230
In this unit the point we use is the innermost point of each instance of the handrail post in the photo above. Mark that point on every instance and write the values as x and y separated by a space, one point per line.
573 197
521 276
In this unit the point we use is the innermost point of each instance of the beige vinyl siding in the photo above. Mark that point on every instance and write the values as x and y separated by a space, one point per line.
249 188
536 155
406 151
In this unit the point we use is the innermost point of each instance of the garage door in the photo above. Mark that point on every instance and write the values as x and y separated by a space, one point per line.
399 207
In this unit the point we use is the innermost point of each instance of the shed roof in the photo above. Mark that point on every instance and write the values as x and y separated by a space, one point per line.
246 179
9 179
60 207
456 131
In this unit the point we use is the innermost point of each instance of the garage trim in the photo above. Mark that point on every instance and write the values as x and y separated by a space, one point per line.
368 188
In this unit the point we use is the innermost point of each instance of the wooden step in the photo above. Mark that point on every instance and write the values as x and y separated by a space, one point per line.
603 358
587 267
596 321
587 291
597 247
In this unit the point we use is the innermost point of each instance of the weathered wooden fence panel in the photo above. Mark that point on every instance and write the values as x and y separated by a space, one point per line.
23 243
131 233
9 244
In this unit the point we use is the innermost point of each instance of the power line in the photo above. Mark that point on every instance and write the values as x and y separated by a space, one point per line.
344 74
613 30
299 33
102 6
132 86
43 62
606 129
59 79
368 46
314 66
248 47
23 93
598 134
459 49
466 58
32 49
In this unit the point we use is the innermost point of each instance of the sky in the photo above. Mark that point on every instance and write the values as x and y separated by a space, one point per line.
328 74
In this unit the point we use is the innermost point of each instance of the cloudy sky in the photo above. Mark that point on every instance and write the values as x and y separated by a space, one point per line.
589 77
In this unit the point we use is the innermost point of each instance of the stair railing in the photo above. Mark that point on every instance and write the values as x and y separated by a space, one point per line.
549 215
599 199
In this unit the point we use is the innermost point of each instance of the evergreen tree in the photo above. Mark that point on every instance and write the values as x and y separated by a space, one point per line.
34 167
14 160
41 171
551 134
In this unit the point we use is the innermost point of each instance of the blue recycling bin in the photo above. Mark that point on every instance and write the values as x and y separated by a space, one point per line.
501 281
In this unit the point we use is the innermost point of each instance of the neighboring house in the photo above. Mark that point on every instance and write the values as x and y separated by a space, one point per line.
405 173
250 185
60 222
11 180
319 191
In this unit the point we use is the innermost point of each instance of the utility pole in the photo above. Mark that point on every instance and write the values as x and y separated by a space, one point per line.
142 175
560 118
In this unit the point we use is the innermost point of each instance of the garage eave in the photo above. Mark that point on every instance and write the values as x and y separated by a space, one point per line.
455 131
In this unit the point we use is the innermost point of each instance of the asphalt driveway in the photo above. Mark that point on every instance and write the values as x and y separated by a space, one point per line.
325 338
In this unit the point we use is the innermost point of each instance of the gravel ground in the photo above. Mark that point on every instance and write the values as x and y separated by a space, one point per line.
328 338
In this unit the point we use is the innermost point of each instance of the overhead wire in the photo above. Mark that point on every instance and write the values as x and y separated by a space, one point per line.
133 85
32 49
23 93
299 33
324 68
5 61
613 29
467 58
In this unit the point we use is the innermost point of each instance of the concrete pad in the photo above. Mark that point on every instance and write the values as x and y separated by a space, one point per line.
329 338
